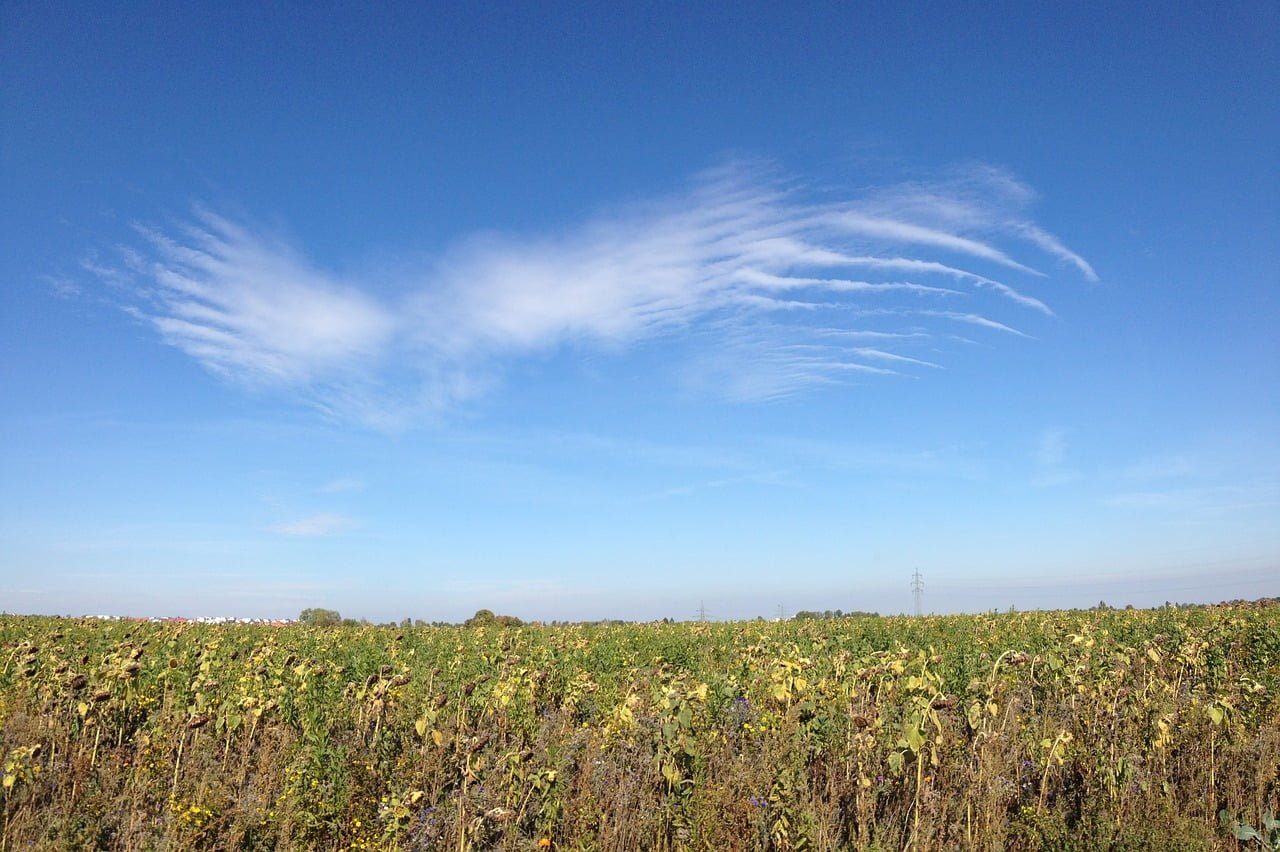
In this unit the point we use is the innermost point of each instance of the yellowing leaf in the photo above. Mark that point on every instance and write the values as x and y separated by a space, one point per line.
914 738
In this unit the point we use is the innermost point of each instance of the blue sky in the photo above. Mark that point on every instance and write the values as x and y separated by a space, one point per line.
576 312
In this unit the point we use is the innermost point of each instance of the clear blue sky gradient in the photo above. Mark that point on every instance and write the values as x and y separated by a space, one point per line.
574 311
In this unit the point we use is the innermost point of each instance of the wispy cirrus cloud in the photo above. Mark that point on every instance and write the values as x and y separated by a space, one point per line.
324 523
342 485
1050 457
1051 244
1202 500
253 309
774 292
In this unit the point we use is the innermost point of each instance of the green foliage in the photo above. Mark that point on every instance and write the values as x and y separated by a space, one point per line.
486 618
1267 836
316 617
811 615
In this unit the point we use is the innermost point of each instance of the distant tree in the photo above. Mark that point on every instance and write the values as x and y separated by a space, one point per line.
810 615
316 617
481 618
485 617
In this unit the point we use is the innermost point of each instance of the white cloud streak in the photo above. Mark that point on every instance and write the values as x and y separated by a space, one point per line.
904 232
973 319
1207 500
1051 460
740 269
252 309
322 524
339 486
1049 243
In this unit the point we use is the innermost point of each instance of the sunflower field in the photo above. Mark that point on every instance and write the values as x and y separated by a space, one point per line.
1130 729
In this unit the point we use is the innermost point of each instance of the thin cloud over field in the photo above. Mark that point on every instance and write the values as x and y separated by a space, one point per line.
753 275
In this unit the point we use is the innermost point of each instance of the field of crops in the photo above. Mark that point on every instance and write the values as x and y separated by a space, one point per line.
1086 730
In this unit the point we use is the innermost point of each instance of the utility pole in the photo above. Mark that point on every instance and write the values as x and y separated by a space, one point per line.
917 588
702 611
782 613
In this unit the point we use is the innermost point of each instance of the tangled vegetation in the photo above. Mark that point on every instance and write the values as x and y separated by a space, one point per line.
1084 730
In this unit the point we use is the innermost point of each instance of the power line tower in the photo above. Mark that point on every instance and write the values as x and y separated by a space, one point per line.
702 611
917 588
782 613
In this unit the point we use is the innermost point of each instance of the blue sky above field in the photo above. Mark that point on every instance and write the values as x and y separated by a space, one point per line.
576 312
